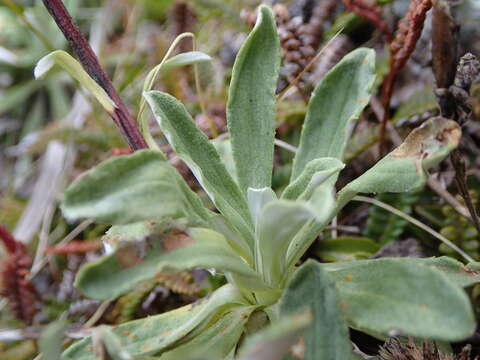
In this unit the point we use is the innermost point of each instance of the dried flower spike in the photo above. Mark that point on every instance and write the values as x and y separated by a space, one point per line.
16 287
401 48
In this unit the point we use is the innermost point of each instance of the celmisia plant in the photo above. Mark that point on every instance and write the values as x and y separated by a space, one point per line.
255 236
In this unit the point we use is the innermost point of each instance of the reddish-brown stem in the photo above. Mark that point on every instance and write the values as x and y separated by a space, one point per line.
90 63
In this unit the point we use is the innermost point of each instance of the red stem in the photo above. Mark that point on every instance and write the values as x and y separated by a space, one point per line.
90 63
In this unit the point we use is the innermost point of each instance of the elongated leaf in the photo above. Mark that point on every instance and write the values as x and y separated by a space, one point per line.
251 103
184 59
218 340
413 299
335 104
277 225
200 155
126 189
119 272
404 169
315 173
456 272
73 67
275 341
311 289
154 334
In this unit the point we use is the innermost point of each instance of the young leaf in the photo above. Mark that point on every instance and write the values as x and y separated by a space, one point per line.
311 289
315 173
257 199
413 299
73 67
335 104
183 59
405 168
119 272
193 147
277 225
251 103
155 334
132 188
275 341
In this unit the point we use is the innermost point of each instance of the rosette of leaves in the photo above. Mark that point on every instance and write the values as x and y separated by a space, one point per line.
255 236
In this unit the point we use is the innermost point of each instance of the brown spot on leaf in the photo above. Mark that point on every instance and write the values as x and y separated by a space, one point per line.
343 304
429 139
175 239
126 332
145 347
349 277
146 325
165 333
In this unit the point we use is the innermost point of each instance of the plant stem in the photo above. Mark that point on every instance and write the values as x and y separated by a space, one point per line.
90 63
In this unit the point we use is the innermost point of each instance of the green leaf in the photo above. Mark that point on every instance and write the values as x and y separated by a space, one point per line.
51 340
277 225
158 333
257 199
315 173
183 59
120 271
347 248
413 299
193 147
132 188
106 345
251 103
322 202
311 289
456 272
73 67
334 106
405 168
218 340
275 341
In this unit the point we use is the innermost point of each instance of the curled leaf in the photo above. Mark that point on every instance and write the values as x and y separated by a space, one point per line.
73 67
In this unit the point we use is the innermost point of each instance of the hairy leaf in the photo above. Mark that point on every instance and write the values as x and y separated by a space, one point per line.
193 147
311 289
120 271
132 188
405 168
334 106
315 173
217 341
275 341
412 297
157 333
274 233
251 103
